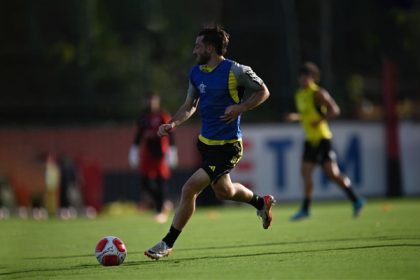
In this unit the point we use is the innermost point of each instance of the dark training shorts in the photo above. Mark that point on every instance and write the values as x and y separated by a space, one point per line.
218 160
320 153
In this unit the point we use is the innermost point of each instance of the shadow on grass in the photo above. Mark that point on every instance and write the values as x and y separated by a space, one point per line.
264 254
22 273
231 256
368 238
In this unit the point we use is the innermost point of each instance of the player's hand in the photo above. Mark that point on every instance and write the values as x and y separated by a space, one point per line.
172 157
133 156
292 117
231 113
164 129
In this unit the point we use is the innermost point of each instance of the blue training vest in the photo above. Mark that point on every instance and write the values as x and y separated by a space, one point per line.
213 90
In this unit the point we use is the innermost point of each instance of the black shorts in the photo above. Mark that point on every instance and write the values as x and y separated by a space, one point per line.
219 159
320 153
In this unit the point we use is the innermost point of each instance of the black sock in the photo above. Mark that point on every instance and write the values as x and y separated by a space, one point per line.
306 204
171 237
350 194
257 201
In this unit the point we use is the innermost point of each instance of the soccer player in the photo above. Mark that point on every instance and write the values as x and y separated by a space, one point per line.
216 86
315 107
155 156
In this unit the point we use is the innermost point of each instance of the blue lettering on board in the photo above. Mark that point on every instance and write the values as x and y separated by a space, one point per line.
280 147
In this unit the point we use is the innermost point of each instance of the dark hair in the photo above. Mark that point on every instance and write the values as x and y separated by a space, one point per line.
216 36
310 68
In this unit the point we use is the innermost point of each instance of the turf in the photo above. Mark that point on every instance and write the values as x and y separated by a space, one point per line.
226 243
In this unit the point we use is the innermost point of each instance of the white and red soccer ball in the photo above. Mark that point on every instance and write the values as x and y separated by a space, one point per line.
110 251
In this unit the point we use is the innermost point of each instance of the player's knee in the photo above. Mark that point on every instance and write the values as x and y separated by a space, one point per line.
335 176
188 190
346 181
223 193
340 179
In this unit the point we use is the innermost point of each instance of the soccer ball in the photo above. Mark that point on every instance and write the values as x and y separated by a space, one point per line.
110 251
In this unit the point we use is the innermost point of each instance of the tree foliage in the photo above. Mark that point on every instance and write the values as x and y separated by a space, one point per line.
83 61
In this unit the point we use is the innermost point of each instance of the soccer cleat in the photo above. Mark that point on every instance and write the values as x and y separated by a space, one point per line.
300 215
357 206
158 251
265 213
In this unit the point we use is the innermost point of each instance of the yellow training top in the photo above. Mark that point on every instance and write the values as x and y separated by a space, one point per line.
310 112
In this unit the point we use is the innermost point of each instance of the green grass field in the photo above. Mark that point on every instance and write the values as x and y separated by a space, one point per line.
226 243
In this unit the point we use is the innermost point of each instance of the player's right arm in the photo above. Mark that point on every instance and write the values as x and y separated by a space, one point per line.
184 112
292 117
134 153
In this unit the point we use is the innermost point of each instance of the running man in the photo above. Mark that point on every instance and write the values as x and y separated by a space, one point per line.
315 107
216 86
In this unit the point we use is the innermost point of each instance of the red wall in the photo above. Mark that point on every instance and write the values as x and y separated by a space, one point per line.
21 151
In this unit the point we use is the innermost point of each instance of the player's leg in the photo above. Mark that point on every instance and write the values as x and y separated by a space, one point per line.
332 170
309 161
329 164
146 184
307 169
220 160
225 189
64 202
191 189
160 192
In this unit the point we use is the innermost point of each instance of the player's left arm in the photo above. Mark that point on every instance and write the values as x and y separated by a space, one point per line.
248 79
323 98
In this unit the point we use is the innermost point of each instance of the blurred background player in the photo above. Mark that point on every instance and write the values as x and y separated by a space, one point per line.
70 197
315 107
154 155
